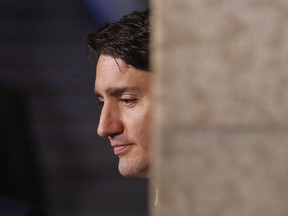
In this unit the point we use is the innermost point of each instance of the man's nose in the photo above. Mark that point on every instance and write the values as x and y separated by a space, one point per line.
110 122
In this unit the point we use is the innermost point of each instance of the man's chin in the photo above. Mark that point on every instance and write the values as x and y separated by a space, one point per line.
132 172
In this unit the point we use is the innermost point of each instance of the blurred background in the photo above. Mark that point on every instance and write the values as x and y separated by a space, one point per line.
52 161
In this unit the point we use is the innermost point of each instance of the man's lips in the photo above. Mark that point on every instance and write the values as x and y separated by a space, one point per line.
121 148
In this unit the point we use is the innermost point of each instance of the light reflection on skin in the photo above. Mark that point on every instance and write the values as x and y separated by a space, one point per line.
125 95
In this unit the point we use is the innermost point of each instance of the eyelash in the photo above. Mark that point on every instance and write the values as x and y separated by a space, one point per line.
100 102
128 101
124 101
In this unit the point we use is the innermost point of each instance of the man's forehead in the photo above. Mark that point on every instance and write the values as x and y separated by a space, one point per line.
110 63
107 73
114 77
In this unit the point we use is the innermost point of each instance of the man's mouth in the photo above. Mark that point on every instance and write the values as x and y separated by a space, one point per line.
121 148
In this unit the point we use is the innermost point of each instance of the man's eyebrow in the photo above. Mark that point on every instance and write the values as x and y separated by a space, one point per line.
97 94
117 91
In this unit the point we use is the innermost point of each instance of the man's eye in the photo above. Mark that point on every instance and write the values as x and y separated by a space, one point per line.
100 101
128 101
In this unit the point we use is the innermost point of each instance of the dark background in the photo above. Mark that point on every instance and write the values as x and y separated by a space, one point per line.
52 161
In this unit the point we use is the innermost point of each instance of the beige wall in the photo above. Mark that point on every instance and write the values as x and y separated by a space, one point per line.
221 115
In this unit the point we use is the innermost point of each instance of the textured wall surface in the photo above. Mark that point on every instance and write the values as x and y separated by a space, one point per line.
221 115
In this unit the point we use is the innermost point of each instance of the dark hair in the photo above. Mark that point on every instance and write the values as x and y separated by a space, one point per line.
127 39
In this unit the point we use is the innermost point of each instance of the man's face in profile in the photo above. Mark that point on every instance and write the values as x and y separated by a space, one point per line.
124 93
